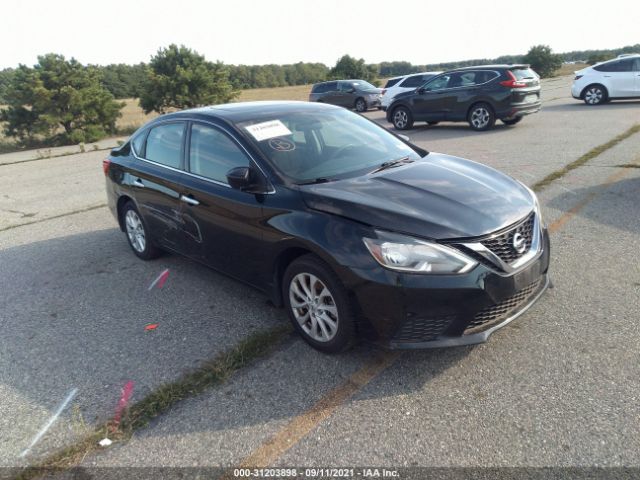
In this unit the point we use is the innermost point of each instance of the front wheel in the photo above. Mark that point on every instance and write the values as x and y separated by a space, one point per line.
511 121
361 105
138 234
402 119
481 117
595 95
318 305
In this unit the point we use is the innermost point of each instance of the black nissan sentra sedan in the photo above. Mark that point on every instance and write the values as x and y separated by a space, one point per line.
354 230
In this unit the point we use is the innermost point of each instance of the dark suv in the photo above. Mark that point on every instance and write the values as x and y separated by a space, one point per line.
478 95
356 94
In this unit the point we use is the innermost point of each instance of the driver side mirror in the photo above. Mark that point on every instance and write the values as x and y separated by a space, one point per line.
239 178
351 90
421 90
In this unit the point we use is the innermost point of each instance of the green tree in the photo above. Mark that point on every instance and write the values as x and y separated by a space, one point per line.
60 101
349 67
178 77
597 58
543 60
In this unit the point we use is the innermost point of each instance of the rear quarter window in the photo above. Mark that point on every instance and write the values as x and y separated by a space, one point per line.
138 143
164 144
391 82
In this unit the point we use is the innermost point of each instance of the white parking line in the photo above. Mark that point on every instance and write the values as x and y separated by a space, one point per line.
51 421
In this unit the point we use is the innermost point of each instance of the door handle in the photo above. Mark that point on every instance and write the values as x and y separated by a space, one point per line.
138 183
189 199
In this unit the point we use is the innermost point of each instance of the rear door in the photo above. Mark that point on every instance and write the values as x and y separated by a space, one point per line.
331 93
155 180
222 224
620 77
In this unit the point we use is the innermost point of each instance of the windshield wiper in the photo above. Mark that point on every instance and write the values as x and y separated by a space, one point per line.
392 163
316 180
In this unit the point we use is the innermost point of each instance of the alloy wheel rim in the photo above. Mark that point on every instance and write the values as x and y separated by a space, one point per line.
480 117
135 231
313 307
400 119
360 105
594 95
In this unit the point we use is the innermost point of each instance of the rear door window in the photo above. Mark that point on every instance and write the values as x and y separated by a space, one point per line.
331 87
164 144
616 66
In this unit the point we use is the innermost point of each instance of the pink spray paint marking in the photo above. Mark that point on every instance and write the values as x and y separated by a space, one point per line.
160 280
127 391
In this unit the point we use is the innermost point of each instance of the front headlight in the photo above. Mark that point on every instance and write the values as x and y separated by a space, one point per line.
407 254
536 203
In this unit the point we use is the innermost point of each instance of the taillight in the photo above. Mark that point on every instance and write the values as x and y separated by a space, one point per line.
578 77
513 82
105 166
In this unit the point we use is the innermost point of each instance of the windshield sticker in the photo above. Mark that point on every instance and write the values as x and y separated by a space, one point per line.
266 130
282 145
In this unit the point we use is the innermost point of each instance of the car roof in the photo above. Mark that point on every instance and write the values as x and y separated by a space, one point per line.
243 111
416 73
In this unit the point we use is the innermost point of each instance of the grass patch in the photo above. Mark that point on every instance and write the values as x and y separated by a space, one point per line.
594 152
211 373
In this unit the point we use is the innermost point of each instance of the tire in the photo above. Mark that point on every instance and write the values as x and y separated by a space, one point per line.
138 234
481 117
318 305
595 95
432 123
511 121
402 118
360 105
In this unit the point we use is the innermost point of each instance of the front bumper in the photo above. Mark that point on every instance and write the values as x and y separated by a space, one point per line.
404 311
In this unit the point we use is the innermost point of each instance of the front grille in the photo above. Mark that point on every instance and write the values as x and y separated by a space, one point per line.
502 310
423 329
502 245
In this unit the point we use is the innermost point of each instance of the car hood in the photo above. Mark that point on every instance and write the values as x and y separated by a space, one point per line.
438 197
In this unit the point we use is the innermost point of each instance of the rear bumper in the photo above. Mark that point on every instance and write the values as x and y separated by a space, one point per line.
519 110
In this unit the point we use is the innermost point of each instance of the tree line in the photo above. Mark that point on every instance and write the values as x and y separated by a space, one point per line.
60 101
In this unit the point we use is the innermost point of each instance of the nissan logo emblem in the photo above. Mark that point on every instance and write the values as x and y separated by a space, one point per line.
519 243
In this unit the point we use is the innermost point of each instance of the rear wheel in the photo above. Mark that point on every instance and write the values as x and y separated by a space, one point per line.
402 119
595 95
481 117
318 305
511 121
138 234
361 105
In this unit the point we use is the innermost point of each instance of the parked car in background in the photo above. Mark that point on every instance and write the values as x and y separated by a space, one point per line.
355 231
615 79
357 94
478 95
404 83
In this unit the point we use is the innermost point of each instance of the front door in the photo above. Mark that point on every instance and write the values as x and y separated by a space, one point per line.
430 102
222 225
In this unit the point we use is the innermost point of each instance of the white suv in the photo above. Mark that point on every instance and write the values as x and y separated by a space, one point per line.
404 83
615 79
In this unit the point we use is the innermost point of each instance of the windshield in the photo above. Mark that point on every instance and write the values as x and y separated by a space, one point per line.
306 146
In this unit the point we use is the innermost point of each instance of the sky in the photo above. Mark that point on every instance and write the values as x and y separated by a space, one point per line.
289 31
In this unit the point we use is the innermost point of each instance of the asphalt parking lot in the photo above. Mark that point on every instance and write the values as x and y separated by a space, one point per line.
558 387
